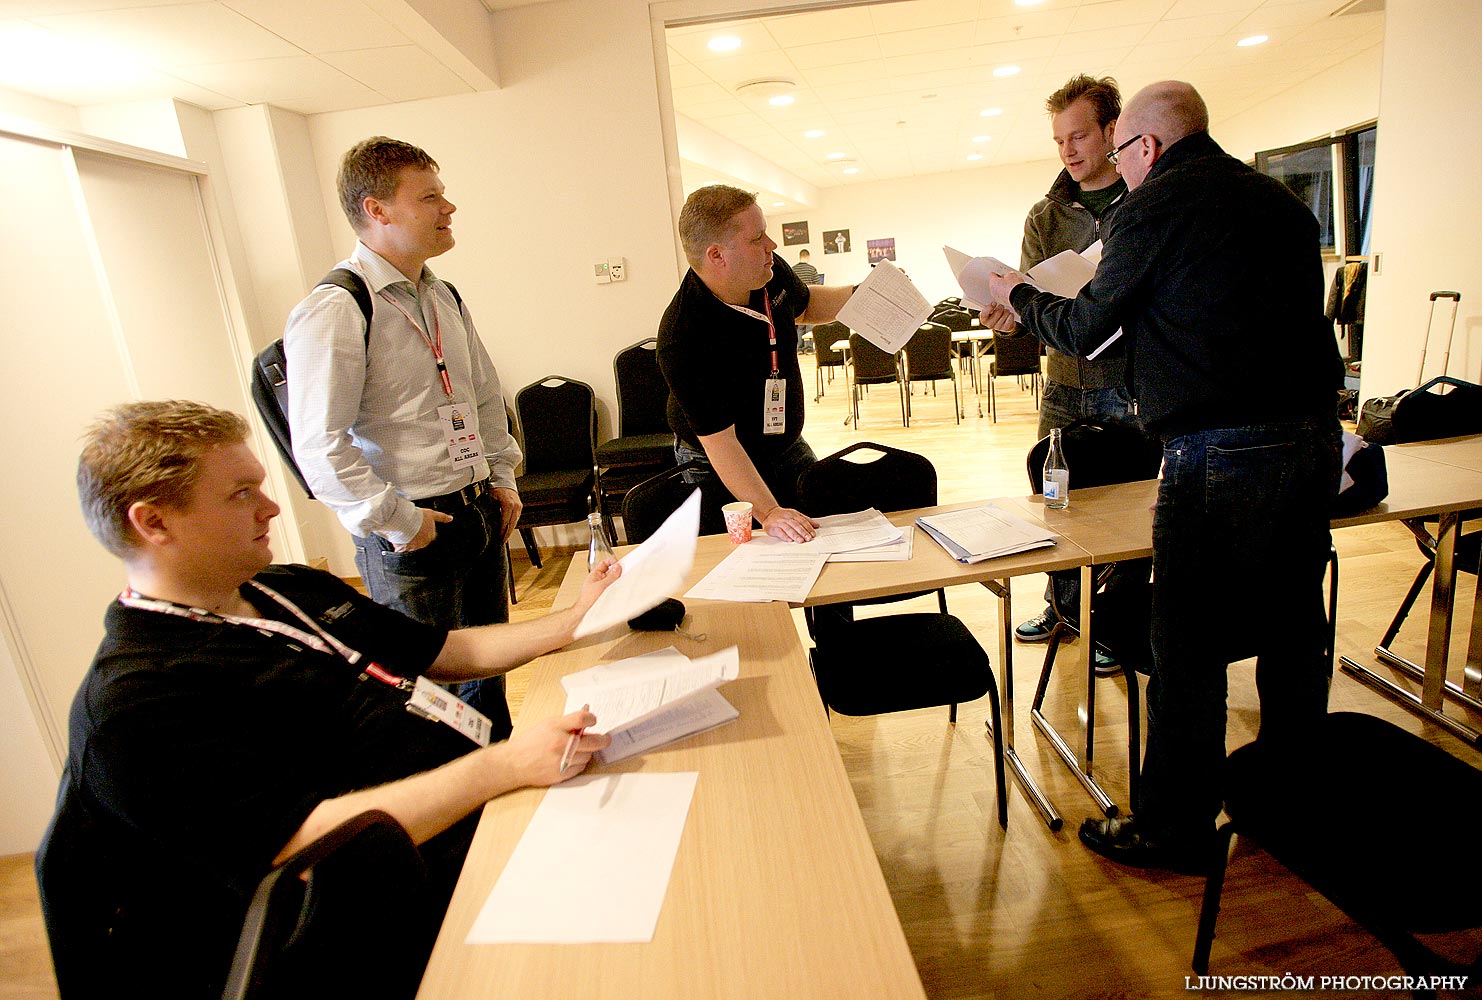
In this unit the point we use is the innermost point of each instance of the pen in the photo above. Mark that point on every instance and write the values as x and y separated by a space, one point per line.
576 734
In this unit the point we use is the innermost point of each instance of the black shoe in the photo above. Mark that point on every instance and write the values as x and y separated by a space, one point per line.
1106 663
1117 839
1038 628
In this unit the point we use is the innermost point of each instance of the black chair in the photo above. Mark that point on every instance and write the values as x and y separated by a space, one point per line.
869 365
1019 355
649 503
645 445
349 915
860 665
558 425
825 335
928 358
1286 803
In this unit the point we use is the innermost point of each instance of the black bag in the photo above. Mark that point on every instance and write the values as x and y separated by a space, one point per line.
270 370
1376 423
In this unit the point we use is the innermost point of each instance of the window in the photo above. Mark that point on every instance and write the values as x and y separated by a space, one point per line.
1334 177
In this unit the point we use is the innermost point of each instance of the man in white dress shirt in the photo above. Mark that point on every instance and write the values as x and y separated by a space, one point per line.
400 429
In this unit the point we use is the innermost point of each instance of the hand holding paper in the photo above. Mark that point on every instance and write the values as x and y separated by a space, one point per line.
650 573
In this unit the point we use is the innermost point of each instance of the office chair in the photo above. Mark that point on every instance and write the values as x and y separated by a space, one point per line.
645 444
1014 355
345 916
1286 804
558 424
649 503
869 365
860 665
825 335
928 358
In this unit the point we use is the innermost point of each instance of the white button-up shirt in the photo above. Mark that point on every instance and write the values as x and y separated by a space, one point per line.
364 416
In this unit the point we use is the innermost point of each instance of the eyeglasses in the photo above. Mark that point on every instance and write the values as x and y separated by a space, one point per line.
1114 154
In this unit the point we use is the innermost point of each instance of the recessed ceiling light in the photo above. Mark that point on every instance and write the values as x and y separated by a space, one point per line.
1003 71
1246 43
814 133
1028 3
766 88
974 156
851 170
723 43
836 156
778 204
981 138
991 112
781 100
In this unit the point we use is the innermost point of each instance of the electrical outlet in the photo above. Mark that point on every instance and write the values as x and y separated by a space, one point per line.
601 272
617 269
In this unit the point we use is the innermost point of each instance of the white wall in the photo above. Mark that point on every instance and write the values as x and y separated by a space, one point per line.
1345 95
1426 201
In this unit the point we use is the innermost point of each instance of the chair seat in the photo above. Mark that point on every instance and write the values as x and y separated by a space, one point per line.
1311 820
859 664
558 486
637 449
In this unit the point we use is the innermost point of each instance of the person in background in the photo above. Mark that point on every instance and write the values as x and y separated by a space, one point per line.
726 348
1082 201
1205 258
806 272
372 412
236 711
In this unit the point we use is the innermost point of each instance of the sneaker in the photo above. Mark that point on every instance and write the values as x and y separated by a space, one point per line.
1038 628
1106 663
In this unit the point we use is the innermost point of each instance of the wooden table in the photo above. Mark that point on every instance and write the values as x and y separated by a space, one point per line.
776 891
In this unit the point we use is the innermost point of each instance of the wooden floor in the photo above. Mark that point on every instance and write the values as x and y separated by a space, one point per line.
1028 913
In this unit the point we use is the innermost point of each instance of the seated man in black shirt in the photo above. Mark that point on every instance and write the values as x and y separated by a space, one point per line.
727 349
236 711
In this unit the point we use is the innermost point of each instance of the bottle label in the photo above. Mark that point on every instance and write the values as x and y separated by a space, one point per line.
1052 489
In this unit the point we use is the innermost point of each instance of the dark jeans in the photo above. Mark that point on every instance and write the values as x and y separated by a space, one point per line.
455 582
1240 542
1060 405
781 477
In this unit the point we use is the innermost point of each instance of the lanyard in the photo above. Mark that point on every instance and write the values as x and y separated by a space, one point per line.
433 343
319 640
767 319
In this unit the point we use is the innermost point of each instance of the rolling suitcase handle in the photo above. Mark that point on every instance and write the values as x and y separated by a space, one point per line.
1455 298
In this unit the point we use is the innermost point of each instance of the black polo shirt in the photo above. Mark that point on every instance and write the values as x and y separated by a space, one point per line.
716 361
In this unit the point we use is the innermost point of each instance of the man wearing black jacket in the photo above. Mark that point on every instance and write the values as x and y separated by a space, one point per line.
1212 270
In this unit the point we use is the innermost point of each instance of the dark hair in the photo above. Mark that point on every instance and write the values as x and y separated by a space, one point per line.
707 218
146 452
1105 98
370 169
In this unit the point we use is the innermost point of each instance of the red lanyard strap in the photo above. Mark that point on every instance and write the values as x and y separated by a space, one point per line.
435 343
767 319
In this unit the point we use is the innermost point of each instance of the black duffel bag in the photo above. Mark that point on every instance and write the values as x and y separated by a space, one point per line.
1423 414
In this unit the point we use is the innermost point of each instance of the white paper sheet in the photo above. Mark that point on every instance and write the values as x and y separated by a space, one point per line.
651 573
886 309
594 863
897 551
633 698
1064 274
764 569
986 532
703 712
845 532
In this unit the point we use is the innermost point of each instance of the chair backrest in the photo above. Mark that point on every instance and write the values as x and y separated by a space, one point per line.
824 336
951 300
929 353
870 363
558 418
646 505
1017 354
642 393
1100 452
889 479
308 926
955 319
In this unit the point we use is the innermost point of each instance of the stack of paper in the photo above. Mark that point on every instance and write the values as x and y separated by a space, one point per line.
864 536
886 308
647 701
896 551
764 569
986 532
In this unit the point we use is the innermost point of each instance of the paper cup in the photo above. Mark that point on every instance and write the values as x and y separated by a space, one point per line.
738 521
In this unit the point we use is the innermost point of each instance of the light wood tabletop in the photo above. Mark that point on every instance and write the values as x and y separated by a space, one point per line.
776 890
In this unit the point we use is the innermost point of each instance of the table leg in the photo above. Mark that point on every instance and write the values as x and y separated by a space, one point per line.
1036 795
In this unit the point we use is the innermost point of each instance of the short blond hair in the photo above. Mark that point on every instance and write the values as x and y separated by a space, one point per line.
146 452
708 217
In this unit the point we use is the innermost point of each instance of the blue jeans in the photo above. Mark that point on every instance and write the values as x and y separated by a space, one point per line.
1240 543
1060 405
455 582
781 477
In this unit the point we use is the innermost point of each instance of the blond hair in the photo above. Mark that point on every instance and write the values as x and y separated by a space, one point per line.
708 218
146 452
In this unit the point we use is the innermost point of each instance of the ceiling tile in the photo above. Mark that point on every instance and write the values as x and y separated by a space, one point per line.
833 53
402 73
1117 13
179 35
793 30
323 25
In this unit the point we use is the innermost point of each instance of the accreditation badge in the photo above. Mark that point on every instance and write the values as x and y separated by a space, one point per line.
460 424
774 407
433 702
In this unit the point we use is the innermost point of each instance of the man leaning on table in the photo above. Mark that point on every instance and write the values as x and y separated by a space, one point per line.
1206 259
726 348
237 710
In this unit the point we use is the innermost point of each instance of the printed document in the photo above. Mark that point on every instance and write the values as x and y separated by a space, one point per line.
986 532
651 573
897 551
593 865
763 569
845 532
886 309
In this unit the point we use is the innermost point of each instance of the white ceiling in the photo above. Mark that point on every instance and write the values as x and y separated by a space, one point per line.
899 87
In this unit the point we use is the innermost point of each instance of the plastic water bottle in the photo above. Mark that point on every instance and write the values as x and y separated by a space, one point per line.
597 548
1057 475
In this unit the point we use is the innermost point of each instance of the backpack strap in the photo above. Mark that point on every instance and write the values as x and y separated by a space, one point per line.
347 280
